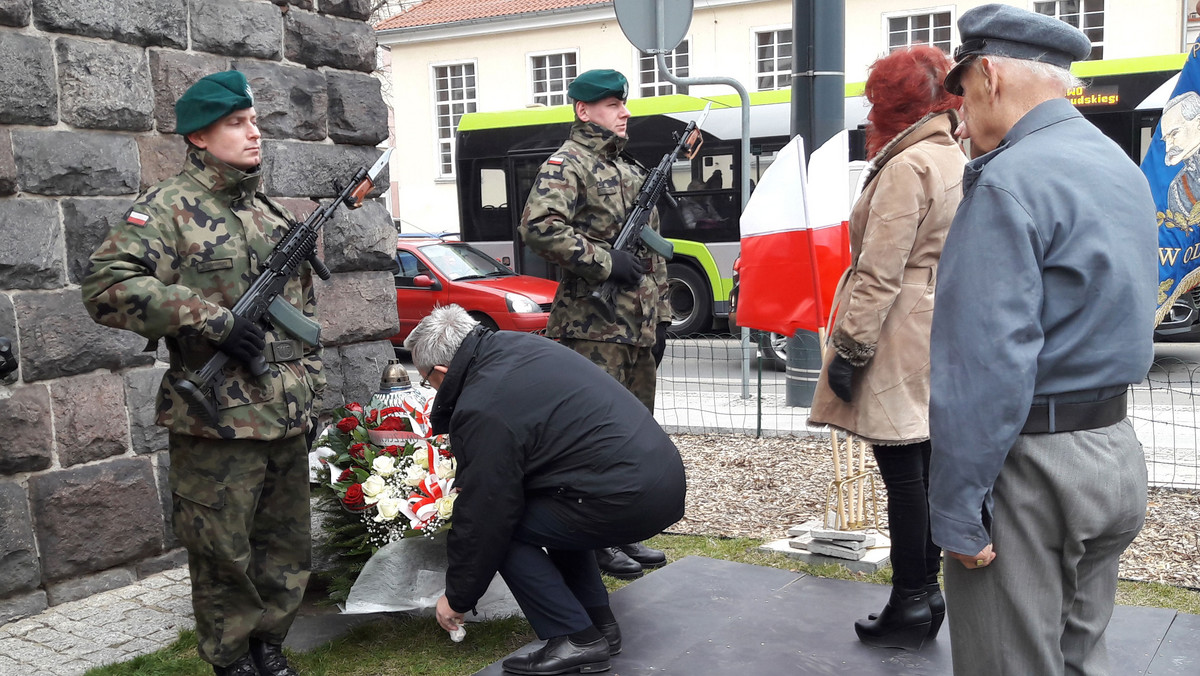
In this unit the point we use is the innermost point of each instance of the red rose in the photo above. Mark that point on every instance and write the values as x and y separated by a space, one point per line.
347 424
394 423
354 499
372 416
346 475
391 411
354 407
392 450
356 450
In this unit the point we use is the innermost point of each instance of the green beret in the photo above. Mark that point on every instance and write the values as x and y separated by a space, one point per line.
598 84
210 99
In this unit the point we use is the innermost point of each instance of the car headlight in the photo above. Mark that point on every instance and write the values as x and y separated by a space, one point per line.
520 304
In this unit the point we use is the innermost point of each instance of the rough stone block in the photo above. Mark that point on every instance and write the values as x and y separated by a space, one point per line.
357 306
804 528
362 239
8 164
237 28
361 366
799 541
24 416
291 102
59 339
89 418
15 12
141 391
299 169
161 157
87 221
315 40
357 113
19 568
94 517
8 329
351 9
847 535
331 364
827 549
28 94
18 607
302 4
176 558
139 22
172 73
32 254
104 85
76 163
83 587
162 472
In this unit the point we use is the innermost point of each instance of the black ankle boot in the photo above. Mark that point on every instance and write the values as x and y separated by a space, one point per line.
937 608
903 623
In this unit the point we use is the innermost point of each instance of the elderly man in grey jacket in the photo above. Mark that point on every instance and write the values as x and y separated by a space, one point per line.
1044 317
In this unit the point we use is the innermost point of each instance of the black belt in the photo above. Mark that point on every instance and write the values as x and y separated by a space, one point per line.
1075 416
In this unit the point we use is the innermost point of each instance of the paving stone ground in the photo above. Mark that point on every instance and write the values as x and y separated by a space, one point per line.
113 626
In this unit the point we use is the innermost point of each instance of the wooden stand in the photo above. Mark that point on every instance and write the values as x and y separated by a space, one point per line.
846 497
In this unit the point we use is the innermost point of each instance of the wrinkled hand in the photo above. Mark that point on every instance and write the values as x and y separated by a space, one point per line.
841 377
245 341
446 617
660 342
627 270
980 560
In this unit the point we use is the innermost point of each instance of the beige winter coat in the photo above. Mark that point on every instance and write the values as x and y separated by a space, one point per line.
884 304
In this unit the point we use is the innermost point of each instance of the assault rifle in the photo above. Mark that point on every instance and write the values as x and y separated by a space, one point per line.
635 230
299 244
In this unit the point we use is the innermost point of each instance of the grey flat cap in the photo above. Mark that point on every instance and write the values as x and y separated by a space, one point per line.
1004 30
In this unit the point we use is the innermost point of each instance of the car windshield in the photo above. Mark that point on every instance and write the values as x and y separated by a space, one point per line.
459 262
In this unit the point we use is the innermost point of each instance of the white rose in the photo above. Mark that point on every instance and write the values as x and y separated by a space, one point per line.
445 506
420 457
384 465
389 508
373 486
414 476
446 468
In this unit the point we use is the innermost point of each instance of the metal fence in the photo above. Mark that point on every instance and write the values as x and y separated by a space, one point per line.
719 384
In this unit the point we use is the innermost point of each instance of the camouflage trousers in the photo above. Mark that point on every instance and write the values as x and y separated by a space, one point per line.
631 365
241 509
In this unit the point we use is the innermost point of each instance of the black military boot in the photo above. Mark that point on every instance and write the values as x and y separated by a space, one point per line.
560 655
647 557
616 563
269 659
903 623
242 666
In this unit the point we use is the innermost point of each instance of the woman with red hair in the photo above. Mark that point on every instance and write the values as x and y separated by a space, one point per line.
875 380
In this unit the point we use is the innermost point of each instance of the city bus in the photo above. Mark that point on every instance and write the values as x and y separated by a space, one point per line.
498 155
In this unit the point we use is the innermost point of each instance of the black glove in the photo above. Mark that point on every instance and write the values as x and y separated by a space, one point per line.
841 376
245 341
314 427
660 342
627 270
8 362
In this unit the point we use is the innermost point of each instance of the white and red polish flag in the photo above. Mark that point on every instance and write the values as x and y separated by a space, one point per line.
795 239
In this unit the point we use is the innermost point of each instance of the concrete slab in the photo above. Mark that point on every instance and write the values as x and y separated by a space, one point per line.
874 560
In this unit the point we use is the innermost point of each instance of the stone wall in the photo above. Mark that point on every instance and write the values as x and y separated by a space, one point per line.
87 89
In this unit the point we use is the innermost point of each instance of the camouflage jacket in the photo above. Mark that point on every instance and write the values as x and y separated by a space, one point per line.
575 211
187 250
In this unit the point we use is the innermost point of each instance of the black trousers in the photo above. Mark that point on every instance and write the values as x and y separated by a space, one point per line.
905 471
551 570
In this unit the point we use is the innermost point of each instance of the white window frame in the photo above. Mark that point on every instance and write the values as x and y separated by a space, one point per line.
886 32
660 82
1103 18
775 74
551 93
470 105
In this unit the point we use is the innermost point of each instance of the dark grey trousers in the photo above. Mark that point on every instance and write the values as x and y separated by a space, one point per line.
1066 506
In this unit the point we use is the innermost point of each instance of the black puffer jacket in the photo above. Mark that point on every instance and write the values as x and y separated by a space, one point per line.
528 417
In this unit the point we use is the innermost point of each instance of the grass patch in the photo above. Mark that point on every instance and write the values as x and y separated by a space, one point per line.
416 646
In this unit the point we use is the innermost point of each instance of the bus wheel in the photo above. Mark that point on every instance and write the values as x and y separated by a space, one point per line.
690 300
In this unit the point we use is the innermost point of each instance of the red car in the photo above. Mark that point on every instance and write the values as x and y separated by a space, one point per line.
432 272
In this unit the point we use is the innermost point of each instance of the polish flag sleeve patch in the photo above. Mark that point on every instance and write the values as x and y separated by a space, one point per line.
555 160
136 217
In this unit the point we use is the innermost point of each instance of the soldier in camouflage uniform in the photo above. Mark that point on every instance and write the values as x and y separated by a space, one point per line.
187 250
575 212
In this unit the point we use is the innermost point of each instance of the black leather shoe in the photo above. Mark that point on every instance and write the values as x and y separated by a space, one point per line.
649 558
903 623
243 666
937 609
615 562
269 659
561 656
612 634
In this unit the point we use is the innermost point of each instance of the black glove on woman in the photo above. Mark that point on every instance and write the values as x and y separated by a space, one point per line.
841 377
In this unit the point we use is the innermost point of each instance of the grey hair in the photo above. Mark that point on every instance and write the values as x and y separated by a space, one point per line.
1188 103
1043 71
437 337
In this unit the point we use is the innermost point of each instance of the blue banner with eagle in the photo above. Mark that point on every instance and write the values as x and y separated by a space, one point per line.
1172 166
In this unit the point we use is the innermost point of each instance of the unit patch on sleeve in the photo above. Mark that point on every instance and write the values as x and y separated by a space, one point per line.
555 160
136 217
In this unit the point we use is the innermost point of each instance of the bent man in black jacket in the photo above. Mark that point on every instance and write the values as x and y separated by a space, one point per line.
555 459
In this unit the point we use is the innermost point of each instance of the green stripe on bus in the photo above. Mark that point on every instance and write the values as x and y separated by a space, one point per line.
1138 64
